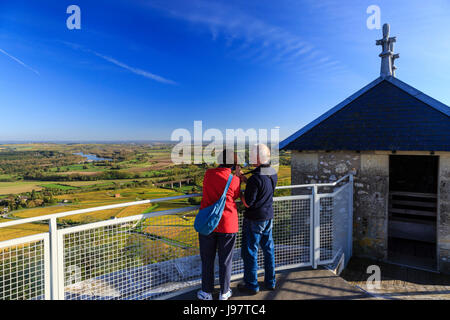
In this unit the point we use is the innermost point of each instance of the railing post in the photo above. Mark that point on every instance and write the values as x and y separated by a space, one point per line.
54 279
350 218
316 219
47 262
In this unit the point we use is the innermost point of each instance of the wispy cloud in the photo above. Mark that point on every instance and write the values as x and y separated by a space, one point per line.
256 40
18 61
137 71
140 72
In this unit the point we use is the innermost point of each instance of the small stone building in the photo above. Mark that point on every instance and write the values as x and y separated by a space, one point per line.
396 142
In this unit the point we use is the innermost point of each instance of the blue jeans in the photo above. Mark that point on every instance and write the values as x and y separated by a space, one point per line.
254 234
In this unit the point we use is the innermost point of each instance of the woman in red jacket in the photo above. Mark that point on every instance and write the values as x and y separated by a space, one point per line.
223 238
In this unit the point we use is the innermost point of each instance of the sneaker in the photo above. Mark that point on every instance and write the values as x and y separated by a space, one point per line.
202 295
243 288
226 296
266 287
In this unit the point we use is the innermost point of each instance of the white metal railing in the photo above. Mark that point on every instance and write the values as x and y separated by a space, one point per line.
155 255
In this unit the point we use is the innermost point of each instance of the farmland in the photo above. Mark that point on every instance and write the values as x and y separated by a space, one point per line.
41 179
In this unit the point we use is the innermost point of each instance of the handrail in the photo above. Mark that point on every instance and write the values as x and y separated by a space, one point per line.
127 204
330 184
81 211
133 218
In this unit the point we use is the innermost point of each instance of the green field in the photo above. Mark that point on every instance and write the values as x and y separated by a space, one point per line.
58 186
94 199
28 186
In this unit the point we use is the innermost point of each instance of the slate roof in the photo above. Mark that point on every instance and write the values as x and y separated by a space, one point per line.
387 114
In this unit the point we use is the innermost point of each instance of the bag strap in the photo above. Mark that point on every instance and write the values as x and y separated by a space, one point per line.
227 185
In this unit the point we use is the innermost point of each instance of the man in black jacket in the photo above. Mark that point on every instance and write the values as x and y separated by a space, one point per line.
257 224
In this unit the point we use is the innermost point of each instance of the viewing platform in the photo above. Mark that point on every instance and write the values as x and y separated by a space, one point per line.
297 284
155 255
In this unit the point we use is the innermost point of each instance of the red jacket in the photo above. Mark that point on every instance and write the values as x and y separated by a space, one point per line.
213 186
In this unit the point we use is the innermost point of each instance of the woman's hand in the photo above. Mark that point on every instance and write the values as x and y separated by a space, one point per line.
243 200
240 174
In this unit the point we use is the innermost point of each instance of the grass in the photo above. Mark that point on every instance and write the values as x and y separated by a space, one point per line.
28 186
80 167
19 187
186 188
94 199
284 175
59 186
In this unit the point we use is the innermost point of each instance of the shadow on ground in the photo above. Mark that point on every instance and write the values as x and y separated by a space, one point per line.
296 284
398 282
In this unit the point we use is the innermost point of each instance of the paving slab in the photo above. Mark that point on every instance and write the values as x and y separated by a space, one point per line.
297 284
399 282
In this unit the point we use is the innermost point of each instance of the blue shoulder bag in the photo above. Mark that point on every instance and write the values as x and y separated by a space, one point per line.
208 218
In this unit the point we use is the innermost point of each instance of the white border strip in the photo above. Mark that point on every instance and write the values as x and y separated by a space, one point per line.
24 240
80 211
331 184
299 197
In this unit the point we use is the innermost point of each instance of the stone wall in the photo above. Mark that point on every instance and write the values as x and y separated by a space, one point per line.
444 214
371 206
371 193
371 187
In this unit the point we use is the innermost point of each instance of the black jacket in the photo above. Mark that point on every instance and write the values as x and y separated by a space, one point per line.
259 194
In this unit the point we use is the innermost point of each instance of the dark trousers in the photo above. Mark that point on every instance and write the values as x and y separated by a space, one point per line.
223 243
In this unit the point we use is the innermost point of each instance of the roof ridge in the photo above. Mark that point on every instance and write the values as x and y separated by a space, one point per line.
419 95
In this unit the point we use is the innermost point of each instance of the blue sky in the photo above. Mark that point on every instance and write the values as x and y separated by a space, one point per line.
137 70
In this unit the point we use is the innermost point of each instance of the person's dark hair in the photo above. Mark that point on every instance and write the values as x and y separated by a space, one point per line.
226 154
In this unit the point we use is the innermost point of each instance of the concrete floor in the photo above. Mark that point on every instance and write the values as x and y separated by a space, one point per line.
399 282
297 284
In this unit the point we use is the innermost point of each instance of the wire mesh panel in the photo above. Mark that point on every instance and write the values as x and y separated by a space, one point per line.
291 233
326 228
342 222
137 259
334 224
148 258
23 272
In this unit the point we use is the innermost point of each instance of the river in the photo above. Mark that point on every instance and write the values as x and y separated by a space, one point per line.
92 157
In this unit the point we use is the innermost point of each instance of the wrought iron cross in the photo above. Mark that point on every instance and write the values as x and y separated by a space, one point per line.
387 55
